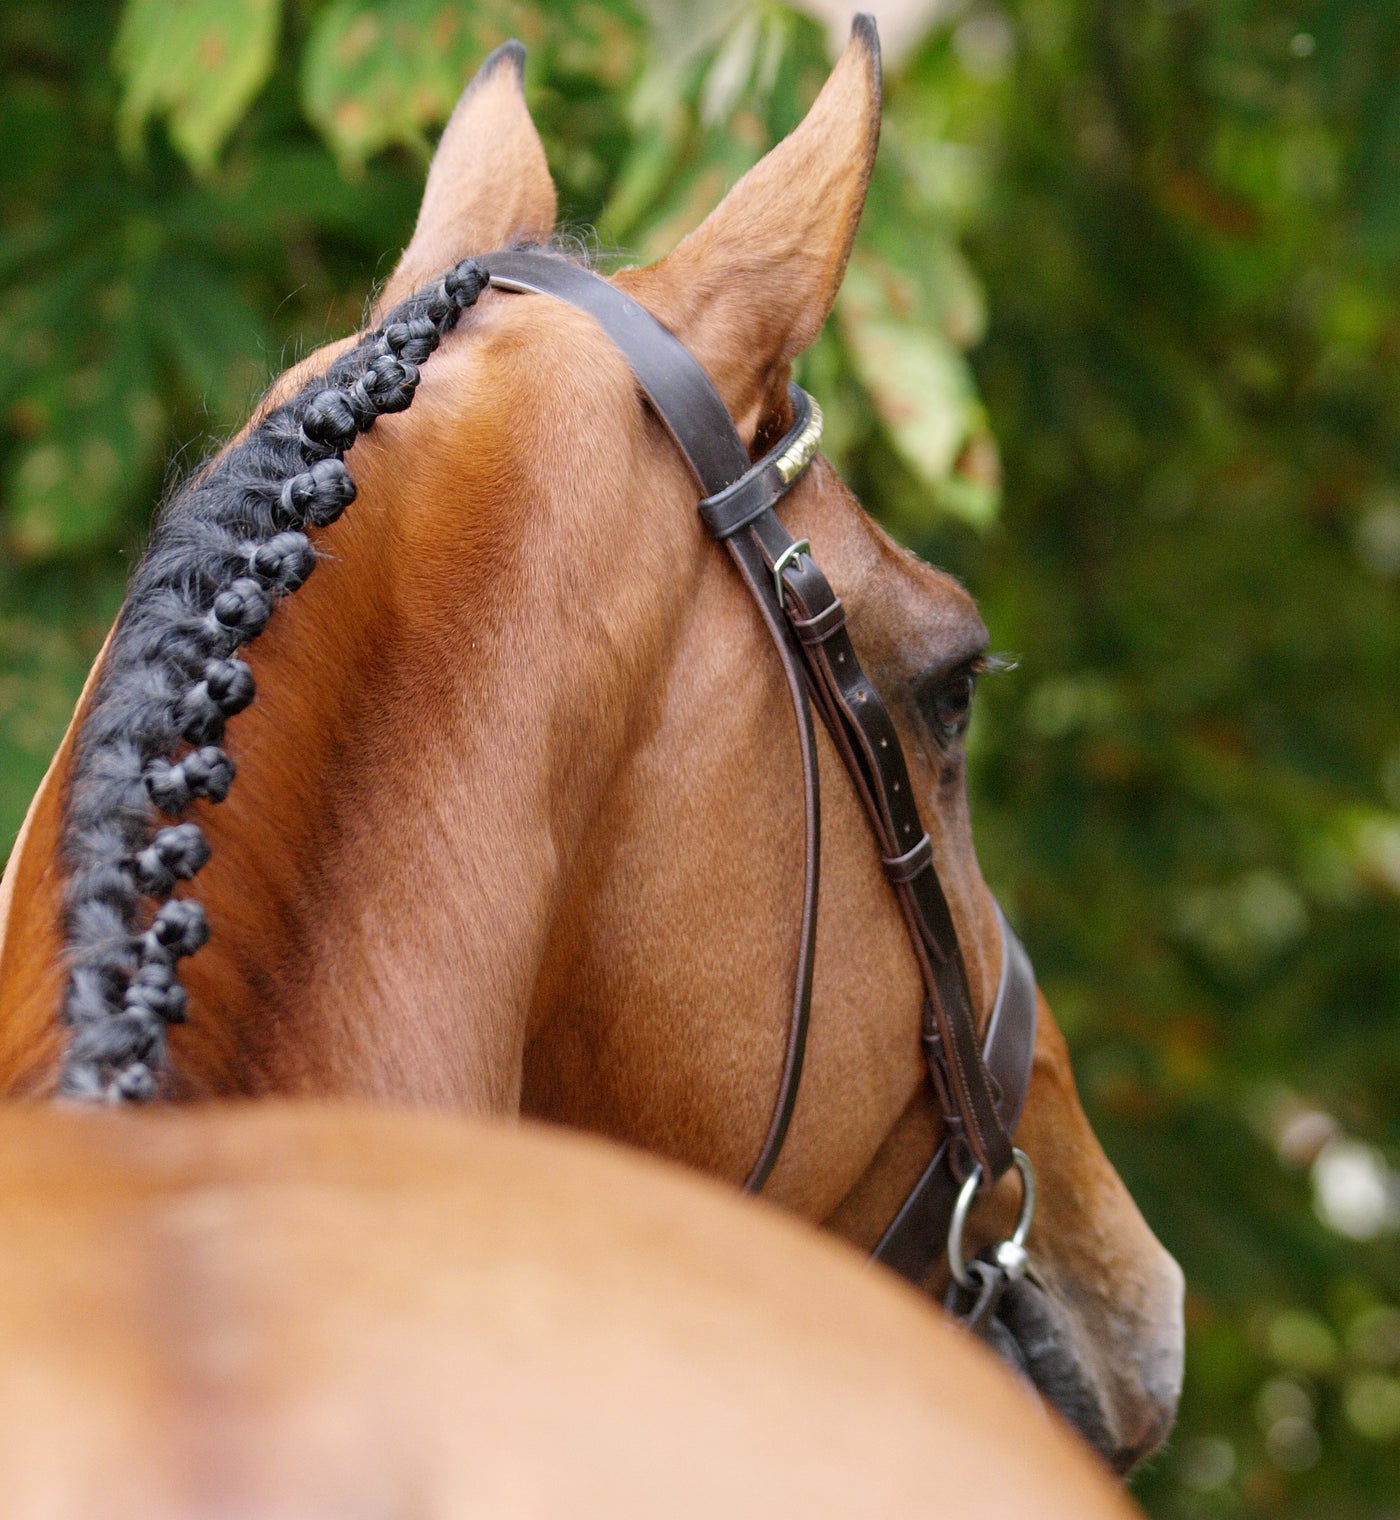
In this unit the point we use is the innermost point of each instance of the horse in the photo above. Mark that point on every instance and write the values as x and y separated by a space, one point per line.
275 1310
517 826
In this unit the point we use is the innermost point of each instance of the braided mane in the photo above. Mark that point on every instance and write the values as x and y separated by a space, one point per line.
226 548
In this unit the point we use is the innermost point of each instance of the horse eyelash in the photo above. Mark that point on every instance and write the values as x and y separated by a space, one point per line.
980 665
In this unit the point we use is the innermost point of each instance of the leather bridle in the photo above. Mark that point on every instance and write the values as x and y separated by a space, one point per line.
980 1085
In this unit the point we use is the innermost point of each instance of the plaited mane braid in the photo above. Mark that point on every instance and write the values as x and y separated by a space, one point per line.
224 550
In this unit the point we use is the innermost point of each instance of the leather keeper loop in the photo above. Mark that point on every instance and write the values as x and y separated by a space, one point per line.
741 505
902 868
761 487
961 1161
818 628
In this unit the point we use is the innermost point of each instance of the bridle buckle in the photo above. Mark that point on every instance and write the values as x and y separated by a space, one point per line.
789 556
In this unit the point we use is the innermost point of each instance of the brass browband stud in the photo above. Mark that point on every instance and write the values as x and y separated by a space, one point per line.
798 455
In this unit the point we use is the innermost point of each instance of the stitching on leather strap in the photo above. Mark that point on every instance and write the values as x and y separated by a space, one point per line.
859 720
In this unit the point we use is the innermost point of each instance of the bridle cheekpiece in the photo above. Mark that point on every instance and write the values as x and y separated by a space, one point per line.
980 1084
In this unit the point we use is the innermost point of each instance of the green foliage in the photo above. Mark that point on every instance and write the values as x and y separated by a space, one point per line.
381 72
1188 792
1168 237
51 622
198 64
916 380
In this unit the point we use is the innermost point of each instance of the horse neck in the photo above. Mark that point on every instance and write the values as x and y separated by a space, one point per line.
413 778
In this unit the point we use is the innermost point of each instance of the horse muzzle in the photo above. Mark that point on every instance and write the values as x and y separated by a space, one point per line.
1121 1396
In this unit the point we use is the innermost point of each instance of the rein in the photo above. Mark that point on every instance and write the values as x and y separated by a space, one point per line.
980 1089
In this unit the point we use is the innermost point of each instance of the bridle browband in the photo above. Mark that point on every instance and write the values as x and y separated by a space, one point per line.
980 1086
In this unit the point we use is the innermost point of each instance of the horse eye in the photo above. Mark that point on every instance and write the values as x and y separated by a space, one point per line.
949 704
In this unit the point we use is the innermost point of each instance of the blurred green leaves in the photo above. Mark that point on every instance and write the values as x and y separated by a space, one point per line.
381 72
919 386
197 64
97 430
1189 368
145 251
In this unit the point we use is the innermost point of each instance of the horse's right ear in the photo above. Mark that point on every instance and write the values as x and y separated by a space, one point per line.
489 184
749 289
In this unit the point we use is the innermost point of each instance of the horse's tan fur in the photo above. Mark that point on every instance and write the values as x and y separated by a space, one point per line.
291 1313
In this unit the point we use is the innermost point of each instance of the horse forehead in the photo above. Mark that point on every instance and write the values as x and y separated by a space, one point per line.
911 611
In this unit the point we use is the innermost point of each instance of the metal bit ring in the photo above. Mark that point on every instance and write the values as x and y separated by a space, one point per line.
1011 1254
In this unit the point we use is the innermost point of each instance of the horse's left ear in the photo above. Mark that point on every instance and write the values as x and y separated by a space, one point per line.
749 289
489 184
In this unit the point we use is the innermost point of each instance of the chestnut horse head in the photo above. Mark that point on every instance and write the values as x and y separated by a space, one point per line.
517 823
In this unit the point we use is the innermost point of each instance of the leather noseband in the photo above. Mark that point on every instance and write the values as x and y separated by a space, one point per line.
980 1085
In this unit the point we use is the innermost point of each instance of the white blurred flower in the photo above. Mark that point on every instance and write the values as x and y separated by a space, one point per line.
1355 1192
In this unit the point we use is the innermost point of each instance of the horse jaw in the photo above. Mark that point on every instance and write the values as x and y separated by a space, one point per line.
1099 1328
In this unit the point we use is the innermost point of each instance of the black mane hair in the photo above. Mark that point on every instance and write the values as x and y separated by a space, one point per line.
224 550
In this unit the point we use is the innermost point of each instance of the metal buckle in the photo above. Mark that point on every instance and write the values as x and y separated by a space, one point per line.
1010 1255
789 556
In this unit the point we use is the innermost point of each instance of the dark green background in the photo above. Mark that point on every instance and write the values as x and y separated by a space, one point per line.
1121 347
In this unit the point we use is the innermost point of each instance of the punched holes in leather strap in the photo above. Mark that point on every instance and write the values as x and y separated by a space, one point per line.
901 868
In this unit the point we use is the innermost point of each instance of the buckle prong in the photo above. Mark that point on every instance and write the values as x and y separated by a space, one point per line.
789 556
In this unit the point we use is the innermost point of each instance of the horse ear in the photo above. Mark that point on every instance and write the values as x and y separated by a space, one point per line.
489 184
749 289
